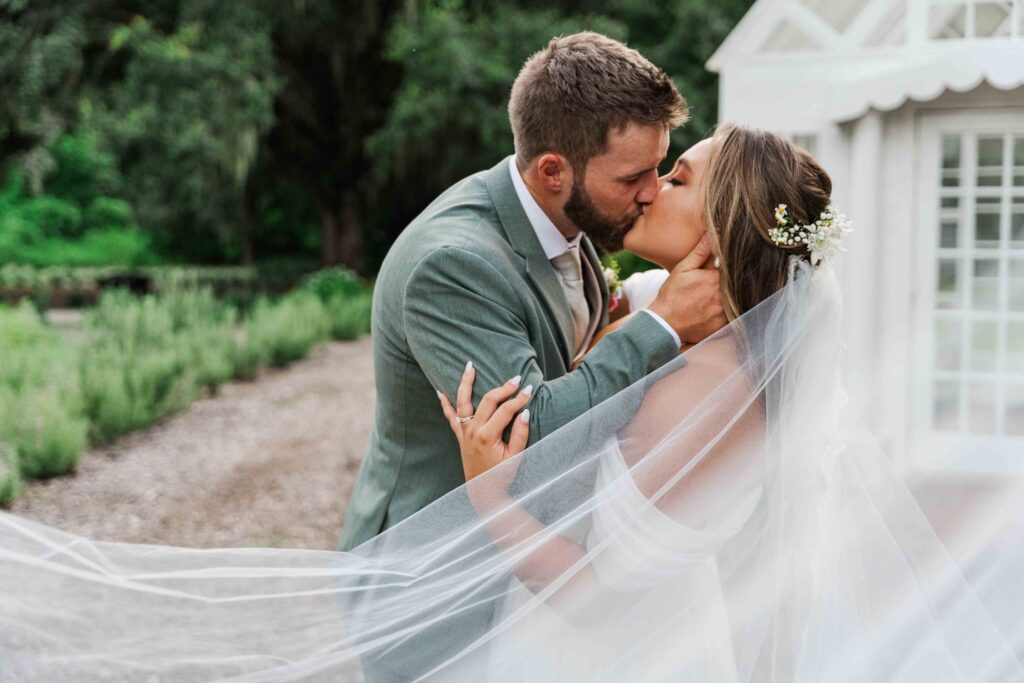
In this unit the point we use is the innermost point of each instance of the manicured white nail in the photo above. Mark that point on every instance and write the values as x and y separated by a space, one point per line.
516 380
528 390
469 366
524 416
440 395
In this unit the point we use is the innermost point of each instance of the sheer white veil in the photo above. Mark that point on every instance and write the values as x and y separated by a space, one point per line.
729 508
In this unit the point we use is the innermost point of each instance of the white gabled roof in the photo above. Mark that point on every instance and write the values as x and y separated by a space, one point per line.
751 30
864 54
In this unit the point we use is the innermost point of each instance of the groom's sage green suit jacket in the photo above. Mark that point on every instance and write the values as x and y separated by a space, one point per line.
468 280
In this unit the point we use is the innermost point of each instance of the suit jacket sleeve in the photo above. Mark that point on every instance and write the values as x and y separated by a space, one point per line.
459 308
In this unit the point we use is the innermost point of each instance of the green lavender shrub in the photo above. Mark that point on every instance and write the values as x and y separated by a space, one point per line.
282 331
40 403
346 299
349 318
147 357
10 474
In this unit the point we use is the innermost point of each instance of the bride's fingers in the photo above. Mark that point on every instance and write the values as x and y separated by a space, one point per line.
449 412
520 434
494 397
464 397
503 415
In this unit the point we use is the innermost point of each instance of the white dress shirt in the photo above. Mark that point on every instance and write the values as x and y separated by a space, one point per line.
552 241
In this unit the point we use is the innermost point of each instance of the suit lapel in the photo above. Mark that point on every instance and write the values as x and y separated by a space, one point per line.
524 242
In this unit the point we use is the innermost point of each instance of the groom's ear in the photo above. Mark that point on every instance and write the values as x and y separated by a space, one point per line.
553 172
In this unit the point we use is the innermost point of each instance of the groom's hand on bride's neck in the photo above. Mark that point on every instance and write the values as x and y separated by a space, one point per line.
690 300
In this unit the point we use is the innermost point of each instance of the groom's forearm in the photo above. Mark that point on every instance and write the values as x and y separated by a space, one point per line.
622 358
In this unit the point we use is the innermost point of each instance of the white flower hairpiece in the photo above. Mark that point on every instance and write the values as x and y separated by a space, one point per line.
823 237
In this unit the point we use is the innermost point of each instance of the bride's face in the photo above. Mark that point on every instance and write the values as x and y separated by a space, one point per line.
673 223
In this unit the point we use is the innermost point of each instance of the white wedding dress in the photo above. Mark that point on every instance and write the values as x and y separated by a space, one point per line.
663 573
749 530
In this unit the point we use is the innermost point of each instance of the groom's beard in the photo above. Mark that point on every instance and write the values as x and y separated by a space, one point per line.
607 234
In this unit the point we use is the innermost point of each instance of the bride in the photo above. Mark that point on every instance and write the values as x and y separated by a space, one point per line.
726 519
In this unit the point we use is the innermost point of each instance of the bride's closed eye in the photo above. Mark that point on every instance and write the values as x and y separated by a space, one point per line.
675 181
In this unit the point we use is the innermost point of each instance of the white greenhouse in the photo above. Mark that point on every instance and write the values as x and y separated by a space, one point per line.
916 109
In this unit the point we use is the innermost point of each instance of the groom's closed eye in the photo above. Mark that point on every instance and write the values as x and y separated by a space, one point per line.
637 177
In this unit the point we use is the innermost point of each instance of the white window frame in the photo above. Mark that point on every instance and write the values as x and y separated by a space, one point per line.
930 449
1016 29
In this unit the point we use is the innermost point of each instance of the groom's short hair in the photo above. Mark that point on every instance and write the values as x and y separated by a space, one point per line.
571 94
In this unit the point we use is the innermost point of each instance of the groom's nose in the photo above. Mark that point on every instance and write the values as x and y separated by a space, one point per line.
648 189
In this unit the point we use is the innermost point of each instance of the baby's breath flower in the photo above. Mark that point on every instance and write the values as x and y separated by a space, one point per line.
823 237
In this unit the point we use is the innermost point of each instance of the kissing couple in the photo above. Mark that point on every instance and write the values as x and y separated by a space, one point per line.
571 479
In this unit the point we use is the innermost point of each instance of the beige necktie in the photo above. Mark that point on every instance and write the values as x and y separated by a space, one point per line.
570 273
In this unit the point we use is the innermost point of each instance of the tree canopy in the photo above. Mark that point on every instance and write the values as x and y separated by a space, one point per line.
224 132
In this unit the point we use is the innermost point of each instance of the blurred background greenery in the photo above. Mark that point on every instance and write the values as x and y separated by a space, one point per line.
207 132
216 183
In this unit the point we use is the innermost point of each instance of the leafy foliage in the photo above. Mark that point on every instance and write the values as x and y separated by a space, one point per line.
10 474
76 222
334 283
234 131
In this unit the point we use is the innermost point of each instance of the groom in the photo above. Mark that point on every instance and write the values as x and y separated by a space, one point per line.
501 270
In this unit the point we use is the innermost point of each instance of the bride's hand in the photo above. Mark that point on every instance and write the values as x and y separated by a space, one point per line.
480 437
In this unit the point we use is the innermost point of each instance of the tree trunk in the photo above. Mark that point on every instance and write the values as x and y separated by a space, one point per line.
342 237
329 249
351 238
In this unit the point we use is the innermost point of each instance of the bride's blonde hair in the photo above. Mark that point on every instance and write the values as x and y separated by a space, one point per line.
751 172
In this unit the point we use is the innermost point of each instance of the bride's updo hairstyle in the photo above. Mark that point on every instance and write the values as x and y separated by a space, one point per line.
750 172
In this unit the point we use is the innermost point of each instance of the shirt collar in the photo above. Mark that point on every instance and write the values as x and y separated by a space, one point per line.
552 241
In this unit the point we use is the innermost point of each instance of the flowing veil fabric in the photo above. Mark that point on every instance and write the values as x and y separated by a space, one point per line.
724 520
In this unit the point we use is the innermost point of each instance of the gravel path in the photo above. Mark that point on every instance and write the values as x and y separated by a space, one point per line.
269 463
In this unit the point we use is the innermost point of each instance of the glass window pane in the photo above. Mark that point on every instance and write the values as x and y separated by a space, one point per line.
990 161
981 407
948 236
984 340
1017 226
950 202
1015 348
992 19
950 151
1016 285
946 406
990 150
947 22
949 291
1014 409
985 289
947 344
986 223
951 160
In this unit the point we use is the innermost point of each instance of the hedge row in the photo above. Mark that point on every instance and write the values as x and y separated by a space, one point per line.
139 359
74 286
